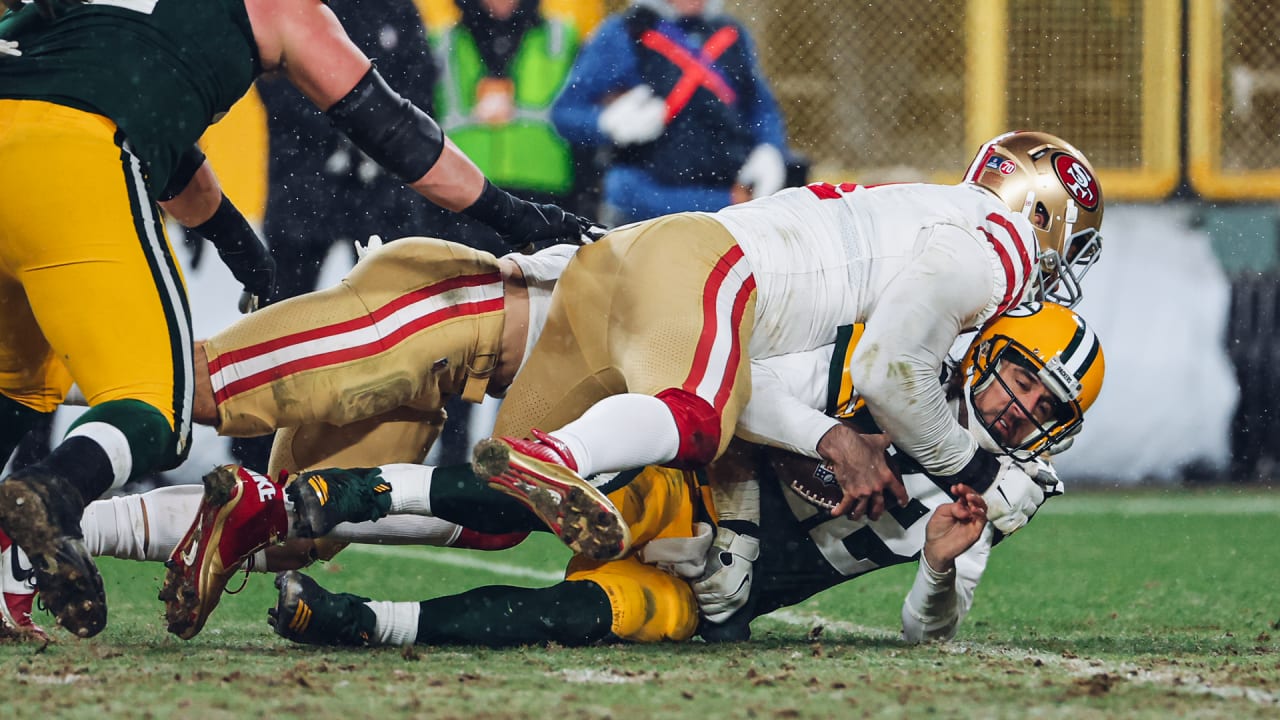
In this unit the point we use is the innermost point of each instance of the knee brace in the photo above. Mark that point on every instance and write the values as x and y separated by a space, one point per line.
699 426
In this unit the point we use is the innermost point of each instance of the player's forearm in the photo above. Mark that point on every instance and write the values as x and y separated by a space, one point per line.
939 601
930 611
193 194
898 359
453 182
787 394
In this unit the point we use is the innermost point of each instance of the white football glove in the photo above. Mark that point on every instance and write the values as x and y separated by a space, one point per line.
634 117
1014 496
765 171
684 557
726 584
373 243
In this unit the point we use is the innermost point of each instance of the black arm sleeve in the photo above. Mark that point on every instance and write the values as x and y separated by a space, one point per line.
978 473
520 222
388 128
240 248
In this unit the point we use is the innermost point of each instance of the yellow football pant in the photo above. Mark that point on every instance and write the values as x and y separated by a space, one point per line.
89 288
649 604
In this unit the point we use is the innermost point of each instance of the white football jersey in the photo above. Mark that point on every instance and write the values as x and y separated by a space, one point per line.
916 264
822 255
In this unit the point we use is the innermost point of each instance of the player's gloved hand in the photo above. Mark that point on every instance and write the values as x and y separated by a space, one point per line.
1014 496
254 267
684 557
635 117
241 250
726 583
373 243
521 223
765 171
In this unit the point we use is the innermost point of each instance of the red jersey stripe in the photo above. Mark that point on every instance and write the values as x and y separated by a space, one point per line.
372 318
357 352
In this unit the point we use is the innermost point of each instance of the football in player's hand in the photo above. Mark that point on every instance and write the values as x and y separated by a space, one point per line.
810 479
813 480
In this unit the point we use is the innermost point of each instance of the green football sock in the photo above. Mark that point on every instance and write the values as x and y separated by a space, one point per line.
570 613
458 496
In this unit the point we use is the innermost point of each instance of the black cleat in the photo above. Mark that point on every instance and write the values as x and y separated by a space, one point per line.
324 498
307 613
41 513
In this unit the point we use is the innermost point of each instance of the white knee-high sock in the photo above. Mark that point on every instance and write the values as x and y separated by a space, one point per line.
622 432
141 527
410 488
397 622
398 530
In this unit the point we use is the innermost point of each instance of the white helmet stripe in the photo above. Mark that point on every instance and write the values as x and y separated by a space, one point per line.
1079 354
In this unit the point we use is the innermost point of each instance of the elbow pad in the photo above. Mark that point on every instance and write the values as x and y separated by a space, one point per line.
388 128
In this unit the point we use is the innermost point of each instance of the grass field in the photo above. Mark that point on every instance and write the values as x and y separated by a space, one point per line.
1142 604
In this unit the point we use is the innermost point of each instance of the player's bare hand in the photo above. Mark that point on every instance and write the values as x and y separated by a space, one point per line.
954 527
862 467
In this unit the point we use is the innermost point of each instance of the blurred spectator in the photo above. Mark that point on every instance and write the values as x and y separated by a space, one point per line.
501 66
674 87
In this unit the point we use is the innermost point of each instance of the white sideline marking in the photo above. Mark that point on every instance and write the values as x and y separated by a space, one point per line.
600 677
453 557
1190 683
1175 503
1184 683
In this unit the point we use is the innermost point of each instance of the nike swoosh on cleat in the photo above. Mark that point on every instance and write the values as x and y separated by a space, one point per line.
21 574
189 556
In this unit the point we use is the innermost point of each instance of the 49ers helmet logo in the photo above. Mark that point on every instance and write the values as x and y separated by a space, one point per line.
1077 179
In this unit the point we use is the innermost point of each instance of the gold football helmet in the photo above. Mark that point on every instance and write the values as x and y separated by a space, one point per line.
1056 346
1050 182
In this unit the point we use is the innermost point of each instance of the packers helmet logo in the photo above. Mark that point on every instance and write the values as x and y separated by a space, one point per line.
1077 179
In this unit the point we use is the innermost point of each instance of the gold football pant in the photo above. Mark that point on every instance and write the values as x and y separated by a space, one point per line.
89 289
649 604
663 306
357 374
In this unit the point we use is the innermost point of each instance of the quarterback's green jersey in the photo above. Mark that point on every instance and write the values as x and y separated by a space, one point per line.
161 70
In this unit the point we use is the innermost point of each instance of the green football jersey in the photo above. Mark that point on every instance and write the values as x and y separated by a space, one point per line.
162 70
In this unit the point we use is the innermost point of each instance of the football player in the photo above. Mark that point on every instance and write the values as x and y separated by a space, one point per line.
1023 388
355 374
101 105
647 356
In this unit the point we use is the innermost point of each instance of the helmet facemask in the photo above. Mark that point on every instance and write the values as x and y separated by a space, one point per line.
1050 428
1059 279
